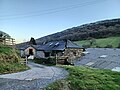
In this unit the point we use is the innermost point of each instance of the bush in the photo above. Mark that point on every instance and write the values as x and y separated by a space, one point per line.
98 46
108 46
118 45
86 46
48 61
51 61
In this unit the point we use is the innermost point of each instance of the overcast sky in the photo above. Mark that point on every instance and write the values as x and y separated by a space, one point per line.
23 19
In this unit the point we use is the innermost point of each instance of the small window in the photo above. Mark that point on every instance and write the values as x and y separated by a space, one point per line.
57 43
47 54
50 44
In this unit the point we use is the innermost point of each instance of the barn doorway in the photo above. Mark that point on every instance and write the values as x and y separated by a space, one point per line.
30 51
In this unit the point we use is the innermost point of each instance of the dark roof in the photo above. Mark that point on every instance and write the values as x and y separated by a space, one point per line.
23 47
37 47
53 46
60 45
72 45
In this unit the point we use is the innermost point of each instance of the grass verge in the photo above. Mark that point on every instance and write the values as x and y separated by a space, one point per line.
83 78
10 60
9 67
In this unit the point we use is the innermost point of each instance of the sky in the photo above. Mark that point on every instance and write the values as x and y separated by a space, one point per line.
23 19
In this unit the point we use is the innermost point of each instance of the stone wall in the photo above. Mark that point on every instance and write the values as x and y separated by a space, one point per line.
72 54
69 54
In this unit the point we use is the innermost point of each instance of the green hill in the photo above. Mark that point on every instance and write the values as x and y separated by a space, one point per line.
99 29
103 42
84 78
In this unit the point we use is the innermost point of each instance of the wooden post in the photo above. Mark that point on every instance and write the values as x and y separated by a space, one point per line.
4 41
8 41
56 58
12 41
26 60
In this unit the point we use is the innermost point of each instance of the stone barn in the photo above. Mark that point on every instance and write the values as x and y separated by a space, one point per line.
32 50
64 49
60 50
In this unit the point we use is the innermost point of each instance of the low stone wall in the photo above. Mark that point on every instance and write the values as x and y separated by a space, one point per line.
72 54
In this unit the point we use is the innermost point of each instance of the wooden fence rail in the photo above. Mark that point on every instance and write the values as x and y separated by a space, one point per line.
7 41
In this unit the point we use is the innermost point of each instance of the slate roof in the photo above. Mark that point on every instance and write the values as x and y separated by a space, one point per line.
37 47
60 45
53 46
72 45
94 59
22 47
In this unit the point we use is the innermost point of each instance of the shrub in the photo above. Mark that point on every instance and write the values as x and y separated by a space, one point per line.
98 46
86 46
50 61
118 45
108 46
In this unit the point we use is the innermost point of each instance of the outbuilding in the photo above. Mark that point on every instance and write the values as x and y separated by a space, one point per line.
61 50
32 50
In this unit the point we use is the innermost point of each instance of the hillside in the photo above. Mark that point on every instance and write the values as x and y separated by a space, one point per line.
100 29
10 60
104 42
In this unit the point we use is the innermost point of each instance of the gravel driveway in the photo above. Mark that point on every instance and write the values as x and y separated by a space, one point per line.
39 76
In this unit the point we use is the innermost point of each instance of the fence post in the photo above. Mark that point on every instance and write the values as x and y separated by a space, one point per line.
26 60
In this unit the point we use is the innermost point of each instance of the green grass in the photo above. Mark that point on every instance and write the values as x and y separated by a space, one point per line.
9 67
114 41
10 60
5 50
83 78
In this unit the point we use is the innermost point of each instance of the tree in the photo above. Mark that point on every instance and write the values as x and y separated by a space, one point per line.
32 41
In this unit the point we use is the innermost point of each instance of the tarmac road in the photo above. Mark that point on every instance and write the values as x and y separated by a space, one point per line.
39 76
